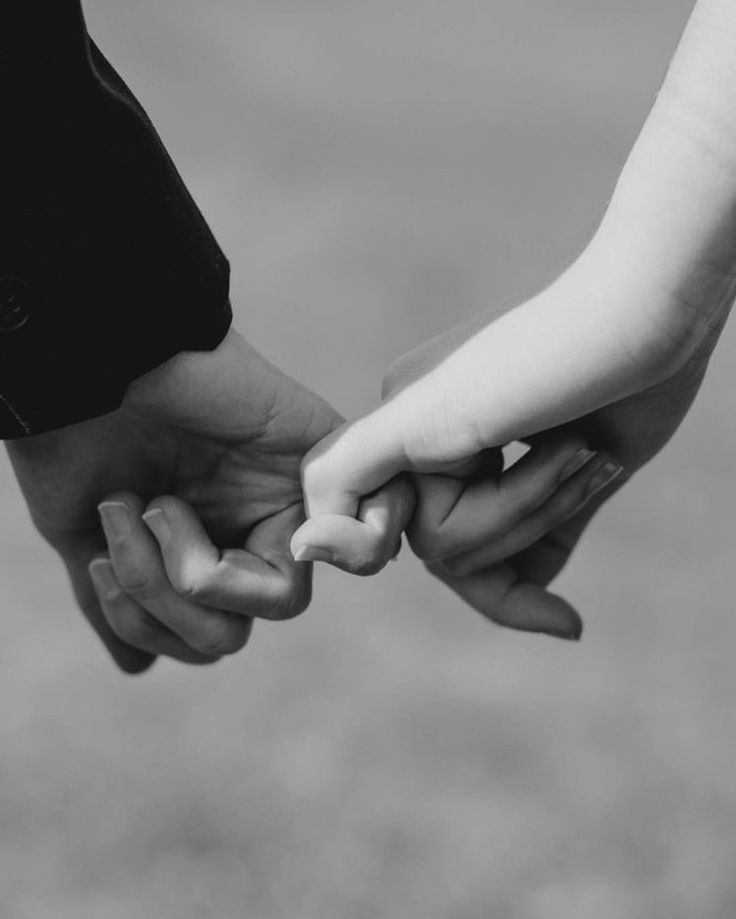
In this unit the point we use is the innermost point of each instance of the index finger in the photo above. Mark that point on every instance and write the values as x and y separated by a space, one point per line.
502 595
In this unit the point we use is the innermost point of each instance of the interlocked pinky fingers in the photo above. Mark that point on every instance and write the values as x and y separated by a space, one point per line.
261 579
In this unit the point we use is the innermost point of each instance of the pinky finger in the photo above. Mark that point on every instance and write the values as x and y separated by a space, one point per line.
132 624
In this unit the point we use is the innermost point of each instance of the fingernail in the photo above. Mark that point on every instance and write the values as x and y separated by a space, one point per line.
605 475
115 519
565 635
103 577
313 554
157 523
576 463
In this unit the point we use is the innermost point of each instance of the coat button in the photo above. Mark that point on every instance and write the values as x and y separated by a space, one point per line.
15 298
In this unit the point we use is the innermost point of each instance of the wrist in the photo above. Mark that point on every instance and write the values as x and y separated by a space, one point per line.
189 376
671 223
662 311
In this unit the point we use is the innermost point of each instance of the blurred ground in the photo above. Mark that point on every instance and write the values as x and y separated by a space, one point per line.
376 171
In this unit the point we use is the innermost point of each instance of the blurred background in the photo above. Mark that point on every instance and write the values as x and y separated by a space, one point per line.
377 171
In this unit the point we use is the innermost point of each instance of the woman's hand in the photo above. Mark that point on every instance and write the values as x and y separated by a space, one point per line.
612 353
588 364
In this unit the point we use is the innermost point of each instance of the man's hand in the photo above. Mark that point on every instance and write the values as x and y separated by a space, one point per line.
221 435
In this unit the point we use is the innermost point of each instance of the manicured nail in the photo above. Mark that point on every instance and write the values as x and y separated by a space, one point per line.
565 635
576 463
313 554
605 475
115 519
103 577
157 523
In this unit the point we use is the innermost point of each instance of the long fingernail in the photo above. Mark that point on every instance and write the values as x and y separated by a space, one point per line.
313 554
576 463
573 635
115 519
158 524
605 475
103 577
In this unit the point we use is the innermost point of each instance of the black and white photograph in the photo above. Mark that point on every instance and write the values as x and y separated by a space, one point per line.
367 545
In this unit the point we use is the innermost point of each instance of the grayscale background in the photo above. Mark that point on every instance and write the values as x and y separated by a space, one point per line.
377 170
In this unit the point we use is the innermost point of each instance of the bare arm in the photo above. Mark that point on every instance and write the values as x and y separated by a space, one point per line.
613 351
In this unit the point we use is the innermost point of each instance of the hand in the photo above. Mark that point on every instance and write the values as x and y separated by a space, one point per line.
221 435
587 362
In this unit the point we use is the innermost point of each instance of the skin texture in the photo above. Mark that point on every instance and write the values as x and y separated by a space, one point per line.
609 358
501 561
612 353
211 444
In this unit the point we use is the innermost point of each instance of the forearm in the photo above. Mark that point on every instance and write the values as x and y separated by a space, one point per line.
671 224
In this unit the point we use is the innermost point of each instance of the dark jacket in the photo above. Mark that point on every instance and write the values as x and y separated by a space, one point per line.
107 267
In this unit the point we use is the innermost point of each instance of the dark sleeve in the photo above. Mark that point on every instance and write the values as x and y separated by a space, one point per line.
107 267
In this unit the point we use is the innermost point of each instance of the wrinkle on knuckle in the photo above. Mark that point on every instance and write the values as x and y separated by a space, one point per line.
367 568
282 609
288 599
189 582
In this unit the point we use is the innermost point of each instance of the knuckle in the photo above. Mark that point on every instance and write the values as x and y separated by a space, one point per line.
283 610
457 567
427 544
371 558
135 629
366 568
187 580
212 647
290 599
140 587
436 569
223 639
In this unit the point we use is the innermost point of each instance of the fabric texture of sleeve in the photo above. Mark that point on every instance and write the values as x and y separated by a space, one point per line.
107 267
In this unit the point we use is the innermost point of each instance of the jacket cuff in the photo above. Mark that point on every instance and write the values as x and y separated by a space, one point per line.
107 267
